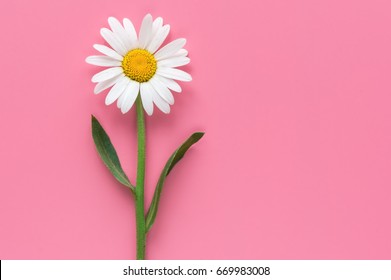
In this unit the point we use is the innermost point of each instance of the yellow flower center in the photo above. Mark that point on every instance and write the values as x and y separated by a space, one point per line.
139 65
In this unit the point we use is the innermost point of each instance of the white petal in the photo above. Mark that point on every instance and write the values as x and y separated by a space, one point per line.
145 33
115 25
106 84
119 30
114 41
156 25
173 61
129 28
170 49
170 83
106 74
117 90
160 103
109 52
146 92
102 60
131 93
162 90
173 73
120 100
181 52
159 38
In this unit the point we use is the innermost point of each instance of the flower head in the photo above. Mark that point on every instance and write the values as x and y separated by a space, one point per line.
137 64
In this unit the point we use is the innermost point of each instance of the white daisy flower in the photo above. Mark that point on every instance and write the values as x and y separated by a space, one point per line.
137 65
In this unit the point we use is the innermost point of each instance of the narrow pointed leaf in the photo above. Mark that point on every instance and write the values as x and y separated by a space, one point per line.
108 154
172 161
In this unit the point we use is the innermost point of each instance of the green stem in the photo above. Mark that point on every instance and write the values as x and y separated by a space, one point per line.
139 191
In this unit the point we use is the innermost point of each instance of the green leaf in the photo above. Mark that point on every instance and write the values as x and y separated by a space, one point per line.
172 161
108 154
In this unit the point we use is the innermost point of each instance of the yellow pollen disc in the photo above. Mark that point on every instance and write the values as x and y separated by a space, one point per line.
139 65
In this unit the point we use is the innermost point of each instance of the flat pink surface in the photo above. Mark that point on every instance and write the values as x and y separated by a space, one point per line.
294 97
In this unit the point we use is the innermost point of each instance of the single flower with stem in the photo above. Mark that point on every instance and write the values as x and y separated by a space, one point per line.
139 71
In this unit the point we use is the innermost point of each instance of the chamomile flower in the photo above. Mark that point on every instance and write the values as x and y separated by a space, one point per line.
139 65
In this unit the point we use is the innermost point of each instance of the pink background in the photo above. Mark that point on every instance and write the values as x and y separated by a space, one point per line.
294 97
